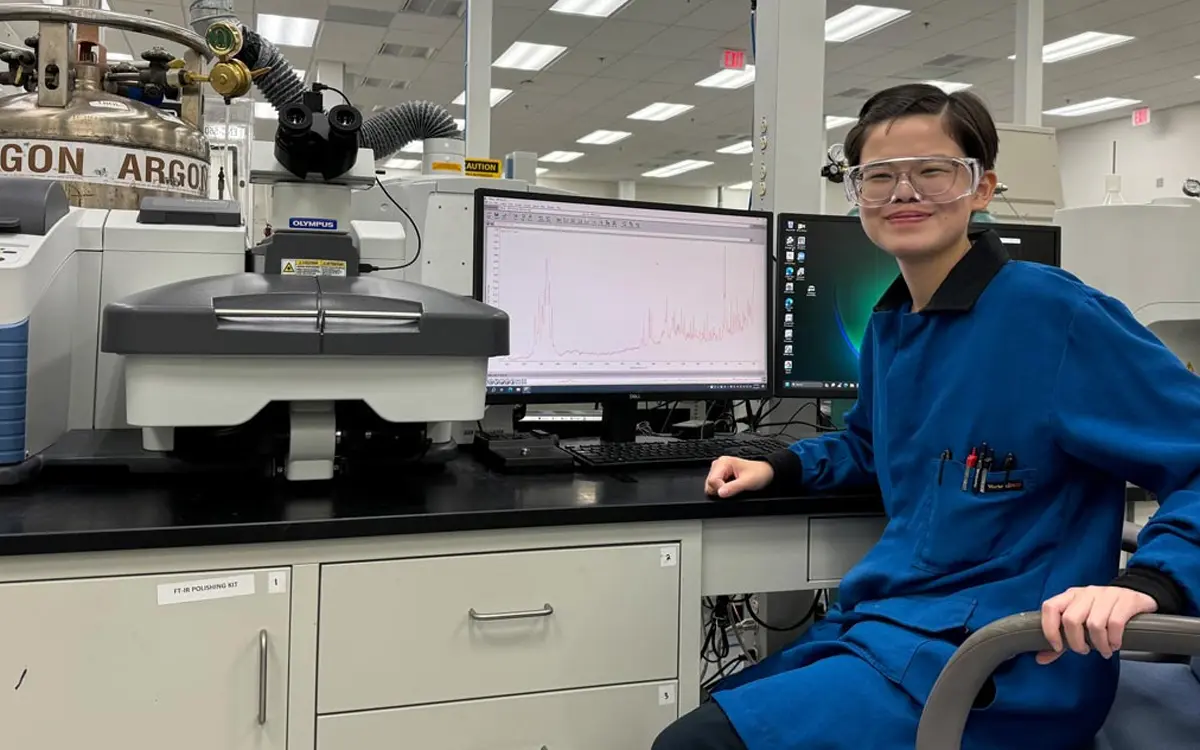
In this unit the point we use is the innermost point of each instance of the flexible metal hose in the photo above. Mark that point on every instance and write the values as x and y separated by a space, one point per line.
280 84
388 131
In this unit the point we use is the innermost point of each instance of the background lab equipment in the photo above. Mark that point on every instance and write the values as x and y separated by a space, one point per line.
828 279
1145 256
691 322
316 372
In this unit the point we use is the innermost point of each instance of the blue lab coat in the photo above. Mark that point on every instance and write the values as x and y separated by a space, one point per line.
1031 361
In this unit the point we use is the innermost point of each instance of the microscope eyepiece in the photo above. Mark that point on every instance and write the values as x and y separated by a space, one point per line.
309 140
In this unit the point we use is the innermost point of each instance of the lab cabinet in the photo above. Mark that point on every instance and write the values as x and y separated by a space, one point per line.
452 628
608 718
187 662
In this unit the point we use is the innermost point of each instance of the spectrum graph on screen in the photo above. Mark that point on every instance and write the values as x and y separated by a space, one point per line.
612 298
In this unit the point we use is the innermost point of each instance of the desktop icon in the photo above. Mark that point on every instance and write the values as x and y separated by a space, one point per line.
787 366
789 319
790 241
789 287
788 303
788 349
789 272
800 257
800 273
812 291
801 241
787 335
789 256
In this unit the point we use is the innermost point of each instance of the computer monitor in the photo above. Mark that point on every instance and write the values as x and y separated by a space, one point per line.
828 279
616 301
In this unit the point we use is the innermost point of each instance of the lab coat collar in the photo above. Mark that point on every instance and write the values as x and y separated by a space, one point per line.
965 282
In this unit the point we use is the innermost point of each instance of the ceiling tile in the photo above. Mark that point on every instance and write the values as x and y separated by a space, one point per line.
620 36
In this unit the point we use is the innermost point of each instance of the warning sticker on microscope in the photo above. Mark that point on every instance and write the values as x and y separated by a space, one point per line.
311 267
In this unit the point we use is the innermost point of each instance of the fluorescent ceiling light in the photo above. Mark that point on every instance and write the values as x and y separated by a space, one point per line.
460 123
541 171
300 74
119 56
264 111
288 31
1092 106
949 86
594 8
678 168
660 111
560 157
402 164
498 95
604 137
742 147
729 79
834 121
416 147
1080 45
747 185
528 56
860 20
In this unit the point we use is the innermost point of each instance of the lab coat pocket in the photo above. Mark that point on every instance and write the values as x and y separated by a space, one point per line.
960 529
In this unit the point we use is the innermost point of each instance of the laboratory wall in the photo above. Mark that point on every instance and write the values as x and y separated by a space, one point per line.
1153 160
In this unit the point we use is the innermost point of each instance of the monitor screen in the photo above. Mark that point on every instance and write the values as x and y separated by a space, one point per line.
612 299
828 279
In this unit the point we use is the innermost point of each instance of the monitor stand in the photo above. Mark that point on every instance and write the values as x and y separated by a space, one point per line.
619 420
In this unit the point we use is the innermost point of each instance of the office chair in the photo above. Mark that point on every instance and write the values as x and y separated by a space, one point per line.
1158 699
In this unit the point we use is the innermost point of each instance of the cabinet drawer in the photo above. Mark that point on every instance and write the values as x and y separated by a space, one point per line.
428 630
625 717
837 544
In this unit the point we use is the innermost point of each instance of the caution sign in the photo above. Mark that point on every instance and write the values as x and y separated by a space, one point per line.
446 166
311 267
484 168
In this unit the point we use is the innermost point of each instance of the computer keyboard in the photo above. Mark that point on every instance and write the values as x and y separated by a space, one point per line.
667 454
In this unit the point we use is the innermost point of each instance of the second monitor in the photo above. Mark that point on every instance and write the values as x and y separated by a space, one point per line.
619 301
828 280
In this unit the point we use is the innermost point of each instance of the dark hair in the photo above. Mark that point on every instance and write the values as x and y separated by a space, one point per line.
967 118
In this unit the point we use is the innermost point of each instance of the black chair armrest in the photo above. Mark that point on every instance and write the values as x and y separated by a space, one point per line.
1129 537
949 705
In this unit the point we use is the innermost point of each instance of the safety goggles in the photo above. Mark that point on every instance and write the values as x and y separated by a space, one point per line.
929 179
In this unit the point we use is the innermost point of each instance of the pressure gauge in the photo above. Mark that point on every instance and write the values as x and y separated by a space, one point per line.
224 39
1191 187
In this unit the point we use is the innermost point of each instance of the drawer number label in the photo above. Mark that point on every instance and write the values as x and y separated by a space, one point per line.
666 694
277 582
668 557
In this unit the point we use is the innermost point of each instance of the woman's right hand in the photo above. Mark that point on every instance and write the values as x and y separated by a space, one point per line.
730 476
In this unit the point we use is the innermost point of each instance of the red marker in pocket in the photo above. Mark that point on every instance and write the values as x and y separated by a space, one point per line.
971 459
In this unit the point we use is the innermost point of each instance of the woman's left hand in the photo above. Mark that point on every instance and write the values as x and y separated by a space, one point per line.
1096 612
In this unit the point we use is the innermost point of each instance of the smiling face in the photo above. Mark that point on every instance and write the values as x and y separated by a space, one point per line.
912 226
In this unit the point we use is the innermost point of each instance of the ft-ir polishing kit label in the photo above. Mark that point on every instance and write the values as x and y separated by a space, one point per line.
223 587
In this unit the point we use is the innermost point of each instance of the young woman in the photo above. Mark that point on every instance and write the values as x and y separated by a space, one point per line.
1003 406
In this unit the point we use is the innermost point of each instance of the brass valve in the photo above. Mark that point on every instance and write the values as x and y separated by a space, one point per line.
224 39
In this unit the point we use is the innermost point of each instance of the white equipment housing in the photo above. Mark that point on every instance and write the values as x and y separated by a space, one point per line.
1028 168
1145 256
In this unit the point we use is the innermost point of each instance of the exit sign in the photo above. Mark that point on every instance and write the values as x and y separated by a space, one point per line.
733 59
1141 116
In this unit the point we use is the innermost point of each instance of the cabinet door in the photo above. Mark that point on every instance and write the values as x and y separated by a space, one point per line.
195 662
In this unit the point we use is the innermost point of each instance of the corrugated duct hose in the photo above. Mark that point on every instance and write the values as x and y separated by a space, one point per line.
385 132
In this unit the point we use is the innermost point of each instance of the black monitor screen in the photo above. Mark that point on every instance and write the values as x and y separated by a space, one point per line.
829 278
609 299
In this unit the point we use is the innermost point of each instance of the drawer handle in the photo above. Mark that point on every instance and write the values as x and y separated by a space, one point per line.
528 614
262 677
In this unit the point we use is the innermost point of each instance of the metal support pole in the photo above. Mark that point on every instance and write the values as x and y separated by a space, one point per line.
331 74
479 78
1028 78
789 147
789 98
